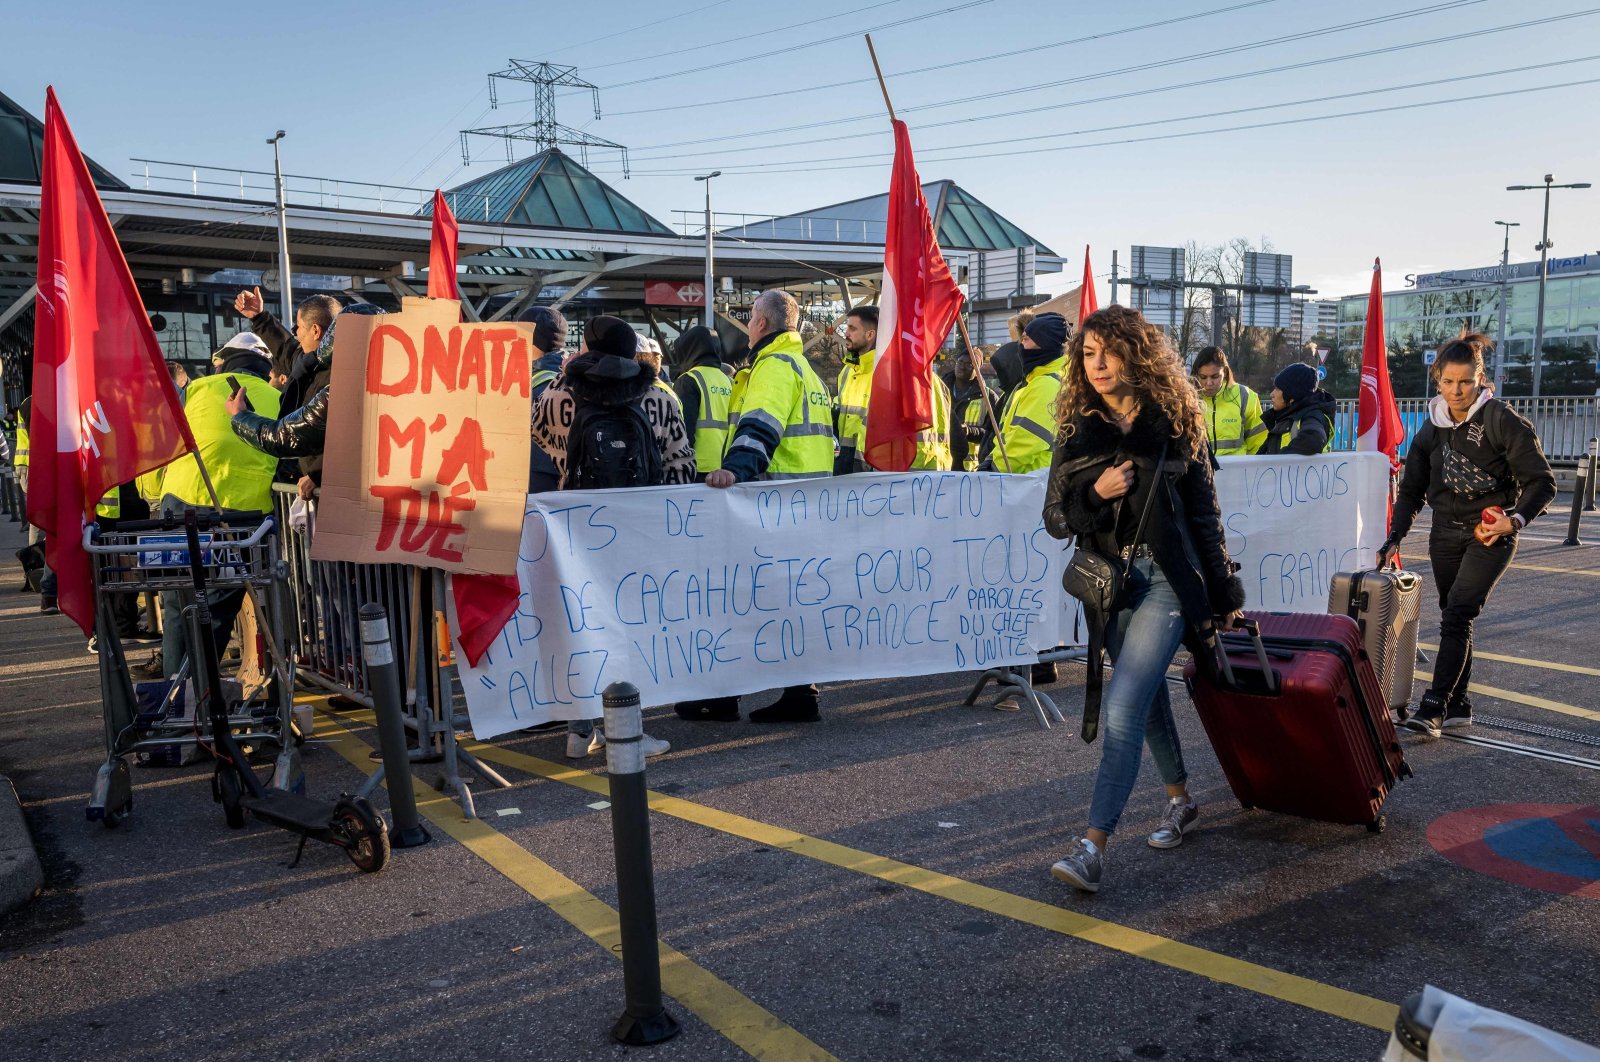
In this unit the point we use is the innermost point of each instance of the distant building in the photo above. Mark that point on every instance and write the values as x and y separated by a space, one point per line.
1318 317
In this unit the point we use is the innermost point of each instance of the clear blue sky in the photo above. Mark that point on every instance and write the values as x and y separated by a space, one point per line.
378 92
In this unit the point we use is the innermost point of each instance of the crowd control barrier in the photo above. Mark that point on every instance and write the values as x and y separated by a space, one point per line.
1564 424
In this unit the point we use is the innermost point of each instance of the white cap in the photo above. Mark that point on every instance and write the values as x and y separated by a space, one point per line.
247 341
648 344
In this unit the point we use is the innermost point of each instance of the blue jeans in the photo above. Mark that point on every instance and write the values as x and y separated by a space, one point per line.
1136 710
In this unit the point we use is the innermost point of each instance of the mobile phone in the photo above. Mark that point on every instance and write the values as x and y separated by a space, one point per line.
233 381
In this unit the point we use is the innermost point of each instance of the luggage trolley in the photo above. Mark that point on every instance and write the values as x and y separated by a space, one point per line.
238 551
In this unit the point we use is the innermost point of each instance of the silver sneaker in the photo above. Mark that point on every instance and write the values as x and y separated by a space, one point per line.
1080 868
652 746
578 745
1180 815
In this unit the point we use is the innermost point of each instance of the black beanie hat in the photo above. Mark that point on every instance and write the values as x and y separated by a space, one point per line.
611 335
1296 381
1049 330
549 328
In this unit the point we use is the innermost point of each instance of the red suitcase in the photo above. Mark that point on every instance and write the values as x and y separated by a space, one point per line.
1314 739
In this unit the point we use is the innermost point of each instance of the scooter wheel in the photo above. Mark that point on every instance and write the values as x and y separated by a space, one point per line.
1378 826
115 817
363 833
227 791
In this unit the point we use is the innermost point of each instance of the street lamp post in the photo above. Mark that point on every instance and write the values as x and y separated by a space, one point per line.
286 301
709 314
1544 259
1505 294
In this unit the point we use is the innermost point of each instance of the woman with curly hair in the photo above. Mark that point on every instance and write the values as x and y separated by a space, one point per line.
1130 433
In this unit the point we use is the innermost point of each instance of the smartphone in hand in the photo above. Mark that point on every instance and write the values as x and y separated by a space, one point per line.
233 381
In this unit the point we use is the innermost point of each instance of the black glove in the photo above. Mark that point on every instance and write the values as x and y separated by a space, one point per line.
1387 552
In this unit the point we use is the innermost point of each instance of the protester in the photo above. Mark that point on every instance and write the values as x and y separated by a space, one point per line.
705 392
240 475
1473 453
19 461
1025 422
1232 410
783 431
606 425
1007 358
550 340
1132 434
305 359
649 353
855 396
971 437
1301 418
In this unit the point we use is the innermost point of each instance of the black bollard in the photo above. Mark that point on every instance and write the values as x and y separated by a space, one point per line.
645 1021
1594 473
378 653
1579 489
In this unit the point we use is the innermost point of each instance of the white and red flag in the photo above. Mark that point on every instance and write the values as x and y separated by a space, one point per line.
1378 417
104 407
920 305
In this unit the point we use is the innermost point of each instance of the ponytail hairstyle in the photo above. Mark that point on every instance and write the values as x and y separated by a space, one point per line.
1469 348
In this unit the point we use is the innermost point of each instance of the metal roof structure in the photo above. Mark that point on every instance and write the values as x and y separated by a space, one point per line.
22 144
549 189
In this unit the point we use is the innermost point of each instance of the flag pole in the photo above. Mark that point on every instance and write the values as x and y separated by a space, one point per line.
961 325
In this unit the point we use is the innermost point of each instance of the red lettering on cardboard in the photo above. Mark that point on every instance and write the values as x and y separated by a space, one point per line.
378 358
390 435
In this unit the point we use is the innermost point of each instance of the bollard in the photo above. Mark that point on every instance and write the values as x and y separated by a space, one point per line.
378 653
1594 473
645 1021
1579 489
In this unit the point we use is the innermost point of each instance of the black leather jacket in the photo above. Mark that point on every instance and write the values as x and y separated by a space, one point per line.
1185 527
300 433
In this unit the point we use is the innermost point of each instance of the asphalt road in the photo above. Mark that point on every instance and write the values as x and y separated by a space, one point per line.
875 886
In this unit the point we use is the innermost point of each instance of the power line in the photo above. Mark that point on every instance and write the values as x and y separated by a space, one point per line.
636 29
877 116
941 67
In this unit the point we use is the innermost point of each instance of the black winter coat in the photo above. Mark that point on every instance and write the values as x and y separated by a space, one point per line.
1498 440
300 433
1308 420
1185 527
308 373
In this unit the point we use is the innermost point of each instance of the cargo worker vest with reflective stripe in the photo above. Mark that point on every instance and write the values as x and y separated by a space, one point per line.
711 428
1027 426
1233 420
20 458
241 473
972 416
1285 431
855 394
783 389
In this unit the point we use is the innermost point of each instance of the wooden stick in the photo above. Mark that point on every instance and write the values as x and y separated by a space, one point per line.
879 71
983 392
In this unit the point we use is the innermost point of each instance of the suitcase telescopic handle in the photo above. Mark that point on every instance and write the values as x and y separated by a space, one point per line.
1253 629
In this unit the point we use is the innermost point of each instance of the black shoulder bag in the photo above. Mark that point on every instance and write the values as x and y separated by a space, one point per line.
1101 583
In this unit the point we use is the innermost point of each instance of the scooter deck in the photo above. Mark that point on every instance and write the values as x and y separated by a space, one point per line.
290 810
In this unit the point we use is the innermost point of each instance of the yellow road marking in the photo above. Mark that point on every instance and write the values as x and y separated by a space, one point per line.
730 1012
1351 1006
1524 698
1563 571
1548 665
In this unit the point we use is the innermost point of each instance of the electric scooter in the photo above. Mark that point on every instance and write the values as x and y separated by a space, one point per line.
351 824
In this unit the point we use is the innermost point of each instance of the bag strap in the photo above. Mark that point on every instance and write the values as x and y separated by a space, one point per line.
1149 503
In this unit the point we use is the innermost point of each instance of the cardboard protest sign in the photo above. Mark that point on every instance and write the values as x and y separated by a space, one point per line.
427 450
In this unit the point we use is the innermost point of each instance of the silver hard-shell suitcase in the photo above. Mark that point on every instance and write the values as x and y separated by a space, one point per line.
1386 604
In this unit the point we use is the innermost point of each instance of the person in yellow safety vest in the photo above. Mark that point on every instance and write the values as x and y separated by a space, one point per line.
1233 411
784 431
241 474
1027 424
19 461
971 435
649 353
855 395
1301 418
706 395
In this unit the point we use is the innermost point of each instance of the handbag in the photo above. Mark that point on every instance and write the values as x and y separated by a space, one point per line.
1101 583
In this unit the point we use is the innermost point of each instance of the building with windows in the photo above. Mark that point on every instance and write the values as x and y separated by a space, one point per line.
1316 317
1440 305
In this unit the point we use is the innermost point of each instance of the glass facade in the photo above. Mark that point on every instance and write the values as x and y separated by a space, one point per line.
1418 321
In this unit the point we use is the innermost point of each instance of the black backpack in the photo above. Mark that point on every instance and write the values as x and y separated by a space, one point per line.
612 446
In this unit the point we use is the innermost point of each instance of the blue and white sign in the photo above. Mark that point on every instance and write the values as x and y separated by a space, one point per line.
172 551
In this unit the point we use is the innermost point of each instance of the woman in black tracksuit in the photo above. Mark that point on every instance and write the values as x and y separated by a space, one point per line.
1474 452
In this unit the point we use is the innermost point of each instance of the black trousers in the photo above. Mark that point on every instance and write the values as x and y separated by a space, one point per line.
1466 571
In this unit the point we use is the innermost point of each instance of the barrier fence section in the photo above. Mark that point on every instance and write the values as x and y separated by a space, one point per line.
1564 424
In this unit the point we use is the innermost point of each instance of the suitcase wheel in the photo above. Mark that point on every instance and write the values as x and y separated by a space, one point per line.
1378 825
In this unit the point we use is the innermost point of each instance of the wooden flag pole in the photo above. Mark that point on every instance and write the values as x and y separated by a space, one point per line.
972 351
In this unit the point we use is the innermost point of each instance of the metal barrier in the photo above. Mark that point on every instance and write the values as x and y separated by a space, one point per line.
1565 425
11 503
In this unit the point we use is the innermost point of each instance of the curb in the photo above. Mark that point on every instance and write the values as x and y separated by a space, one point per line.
20 874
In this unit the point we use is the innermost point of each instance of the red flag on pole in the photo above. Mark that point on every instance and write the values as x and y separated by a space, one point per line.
104 407
442 251
1087 303
920 304
1379 427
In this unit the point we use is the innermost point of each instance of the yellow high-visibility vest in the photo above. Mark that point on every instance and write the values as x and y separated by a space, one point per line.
1027 425
855 393
1233 420
241 473
783 392
711 424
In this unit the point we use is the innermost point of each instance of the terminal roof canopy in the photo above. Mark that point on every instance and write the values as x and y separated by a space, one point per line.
962 220
22 143
552 191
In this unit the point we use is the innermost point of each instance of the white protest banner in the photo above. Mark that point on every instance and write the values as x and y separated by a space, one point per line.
691 592
1295 522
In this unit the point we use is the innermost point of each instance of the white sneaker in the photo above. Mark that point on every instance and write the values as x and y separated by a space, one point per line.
652 746
579 746
597 743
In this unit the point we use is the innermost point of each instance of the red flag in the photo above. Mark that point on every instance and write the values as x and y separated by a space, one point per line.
1087 303
104 407
442 251
920 304
484 605
1379 416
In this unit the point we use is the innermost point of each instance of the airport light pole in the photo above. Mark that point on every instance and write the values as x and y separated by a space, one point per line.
286 300
710 323
1544 264
1505 294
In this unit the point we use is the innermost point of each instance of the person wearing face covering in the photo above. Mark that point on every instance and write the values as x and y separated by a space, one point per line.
705 391
1301 418
1027 424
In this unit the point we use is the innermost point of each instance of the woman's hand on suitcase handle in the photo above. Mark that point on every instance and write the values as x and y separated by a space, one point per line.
1233 621
1387 553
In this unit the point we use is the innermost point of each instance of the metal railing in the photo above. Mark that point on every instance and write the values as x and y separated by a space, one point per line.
780 227
1564 424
